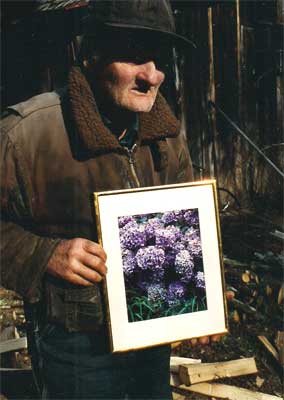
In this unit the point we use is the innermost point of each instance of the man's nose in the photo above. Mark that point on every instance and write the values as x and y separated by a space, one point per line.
149 73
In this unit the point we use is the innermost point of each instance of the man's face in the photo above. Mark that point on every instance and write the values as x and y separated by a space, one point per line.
130 86
129 77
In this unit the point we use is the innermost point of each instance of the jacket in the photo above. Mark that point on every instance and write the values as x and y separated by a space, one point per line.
54 155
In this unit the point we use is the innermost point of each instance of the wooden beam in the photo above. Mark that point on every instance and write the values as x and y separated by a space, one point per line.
13 345
176 362
190 374
177 396
227 392
271 349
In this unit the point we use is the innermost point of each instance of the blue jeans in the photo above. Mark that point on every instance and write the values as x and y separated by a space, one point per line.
78 366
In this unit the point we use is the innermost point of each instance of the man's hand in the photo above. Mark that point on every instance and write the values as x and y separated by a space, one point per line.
79 261
214 338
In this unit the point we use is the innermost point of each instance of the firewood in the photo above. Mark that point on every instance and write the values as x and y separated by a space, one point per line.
190 374
226 392
234 263
243 307
245 277
13 345
236 316
176 396
277 234
268 346
175 362
280 295
279 342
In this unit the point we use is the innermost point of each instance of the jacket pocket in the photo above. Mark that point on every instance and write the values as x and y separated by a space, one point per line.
77 310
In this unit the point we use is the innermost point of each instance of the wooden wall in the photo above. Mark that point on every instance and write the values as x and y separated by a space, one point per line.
238 65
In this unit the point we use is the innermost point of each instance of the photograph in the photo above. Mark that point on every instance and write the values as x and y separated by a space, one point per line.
162 264
165 279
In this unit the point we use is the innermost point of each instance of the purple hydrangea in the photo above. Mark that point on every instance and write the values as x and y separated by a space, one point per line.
170 257
132 236
150 257
176 292
191 217
200 280
156 293
157 274
192 241
166 237
170 217
122 221
184 265
178 246
128 261
151 226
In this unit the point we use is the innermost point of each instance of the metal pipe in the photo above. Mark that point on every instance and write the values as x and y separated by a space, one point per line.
232 123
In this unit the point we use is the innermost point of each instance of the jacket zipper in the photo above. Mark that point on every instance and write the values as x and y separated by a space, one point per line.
131 163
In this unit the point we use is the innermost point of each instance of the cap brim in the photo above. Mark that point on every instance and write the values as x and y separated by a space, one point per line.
171 35
174 38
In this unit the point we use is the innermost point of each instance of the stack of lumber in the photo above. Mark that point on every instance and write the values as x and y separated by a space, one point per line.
258 299
192 376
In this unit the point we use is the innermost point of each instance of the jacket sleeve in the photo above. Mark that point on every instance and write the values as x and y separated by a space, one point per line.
24 255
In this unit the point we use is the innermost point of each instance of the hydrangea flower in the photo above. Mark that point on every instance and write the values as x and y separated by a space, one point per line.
150 257
192 241
176 292
178 246
170 257
156 293
166 237
200 280
132 236
170 217
151 226
171 253
129 262
184 265
191 217
122 221
157 274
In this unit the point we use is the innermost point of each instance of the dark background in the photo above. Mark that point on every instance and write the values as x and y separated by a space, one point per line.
238 65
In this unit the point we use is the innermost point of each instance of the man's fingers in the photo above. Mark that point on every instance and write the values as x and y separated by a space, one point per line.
89 274
94 262
215 338
204 340
95 249
78 280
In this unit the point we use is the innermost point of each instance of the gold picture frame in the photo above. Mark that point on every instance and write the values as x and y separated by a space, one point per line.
165 280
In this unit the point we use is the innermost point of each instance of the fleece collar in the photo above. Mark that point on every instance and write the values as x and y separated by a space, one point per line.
159 123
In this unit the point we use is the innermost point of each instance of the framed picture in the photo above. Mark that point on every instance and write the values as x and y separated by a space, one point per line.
165 278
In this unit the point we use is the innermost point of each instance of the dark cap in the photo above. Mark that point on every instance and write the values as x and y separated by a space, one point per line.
136 16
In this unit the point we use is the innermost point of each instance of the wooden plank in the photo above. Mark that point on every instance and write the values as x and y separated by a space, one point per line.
220 391
176 362
13 345
271 349
227 392
190 374
177 396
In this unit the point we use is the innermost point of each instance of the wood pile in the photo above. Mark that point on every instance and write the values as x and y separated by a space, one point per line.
258 302
192 376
